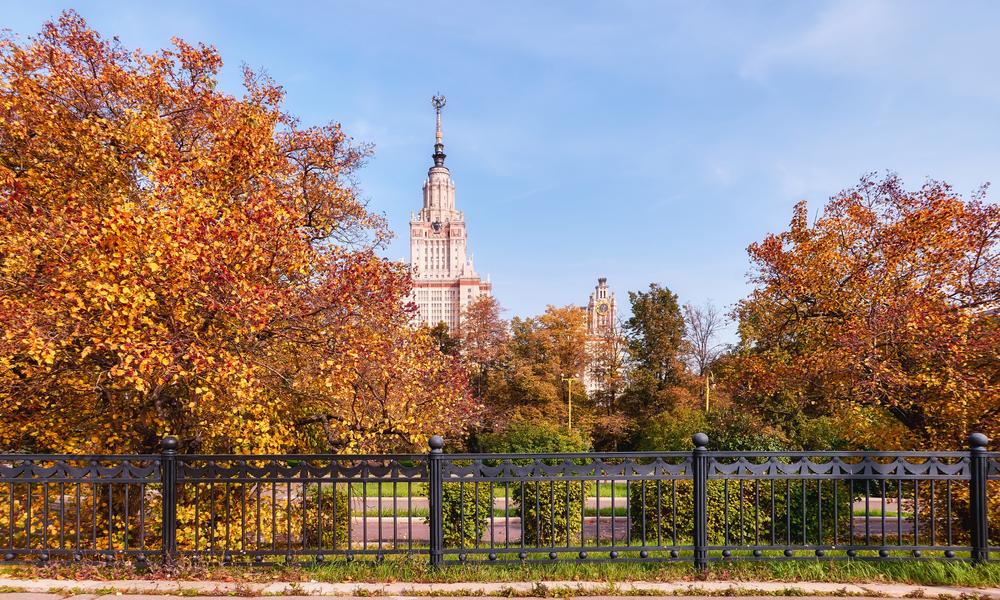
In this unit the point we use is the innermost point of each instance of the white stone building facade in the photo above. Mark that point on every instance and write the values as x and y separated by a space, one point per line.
444 279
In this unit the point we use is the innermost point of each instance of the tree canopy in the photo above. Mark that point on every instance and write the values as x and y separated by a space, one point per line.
177 260
889 299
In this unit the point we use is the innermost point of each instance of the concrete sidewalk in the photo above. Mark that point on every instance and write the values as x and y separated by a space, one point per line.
39 596
31 596
53 589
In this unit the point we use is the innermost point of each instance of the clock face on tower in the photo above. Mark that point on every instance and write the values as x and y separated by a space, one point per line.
436 226
602 308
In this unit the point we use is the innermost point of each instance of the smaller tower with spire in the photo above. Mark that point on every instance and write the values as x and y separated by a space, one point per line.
601 309
602 335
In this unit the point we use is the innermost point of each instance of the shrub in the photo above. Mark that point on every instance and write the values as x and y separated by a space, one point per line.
934 508
671 431
296 523
551 511
797 518
548 518
535 438
465 510
662 521
327 510
100 520
741 431
727 430
748 518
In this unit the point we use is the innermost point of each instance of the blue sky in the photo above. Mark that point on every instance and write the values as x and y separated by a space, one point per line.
641 141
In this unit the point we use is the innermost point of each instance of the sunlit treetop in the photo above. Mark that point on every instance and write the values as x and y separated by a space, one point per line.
175 259
890 298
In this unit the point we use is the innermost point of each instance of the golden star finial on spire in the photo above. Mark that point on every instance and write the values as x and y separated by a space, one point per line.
438 101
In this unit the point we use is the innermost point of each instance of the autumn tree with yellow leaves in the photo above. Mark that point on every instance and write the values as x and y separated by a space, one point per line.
542 352
177 260
890 301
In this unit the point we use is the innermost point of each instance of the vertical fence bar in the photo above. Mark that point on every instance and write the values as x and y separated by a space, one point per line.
435 493
168 477
977 497
699 472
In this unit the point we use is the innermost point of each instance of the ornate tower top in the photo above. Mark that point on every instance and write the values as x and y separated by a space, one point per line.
438 103
602 309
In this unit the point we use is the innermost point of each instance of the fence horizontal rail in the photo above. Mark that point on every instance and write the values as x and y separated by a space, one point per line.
698 506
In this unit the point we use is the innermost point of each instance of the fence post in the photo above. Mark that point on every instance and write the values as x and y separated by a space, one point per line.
699 472
977 497
168 477
435 493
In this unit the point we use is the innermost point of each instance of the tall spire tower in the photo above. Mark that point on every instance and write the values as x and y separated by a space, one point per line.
444 280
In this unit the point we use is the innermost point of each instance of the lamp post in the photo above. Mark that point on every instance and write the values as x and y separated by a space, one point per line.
569 394
709 379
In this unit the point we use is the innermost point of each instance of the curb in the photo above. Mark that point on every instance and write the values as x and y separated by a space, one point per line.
523 588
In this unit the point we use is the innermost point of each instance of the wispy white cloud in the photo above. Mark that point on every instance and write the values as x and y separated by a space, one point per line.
922 45
850 36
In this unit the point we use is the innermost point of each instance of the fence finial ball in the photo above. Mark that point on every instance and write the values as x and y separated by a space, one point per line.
978 440
700 440
169 443
436 442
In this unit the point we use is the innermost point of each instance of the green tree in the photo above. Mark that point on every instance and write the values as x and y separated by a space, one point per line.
443 340
655 335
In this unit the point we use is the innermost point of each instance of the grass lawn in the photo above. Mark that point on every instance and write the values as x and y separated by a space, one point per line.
375 489
416 569
924 573
604 490
878 513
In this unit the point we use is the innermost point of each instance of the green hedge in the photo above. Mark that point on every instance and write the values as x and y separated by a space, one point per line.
789 506
755 507
533 438
662 521
320 507
548 518
555 520
464 516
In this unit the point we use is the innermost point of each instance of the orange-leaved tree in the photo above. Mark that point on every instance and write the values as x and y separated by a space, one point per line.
544 351
483 338
174 259
890 299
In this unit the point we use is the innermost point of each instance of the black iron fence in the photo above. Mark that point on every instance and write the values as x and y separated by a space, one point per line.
697 506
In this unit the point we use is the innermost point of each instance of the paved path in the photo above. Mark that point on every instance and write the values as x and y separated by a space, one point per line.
402 503
404 529
51 589
888 505
416 529
695 595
